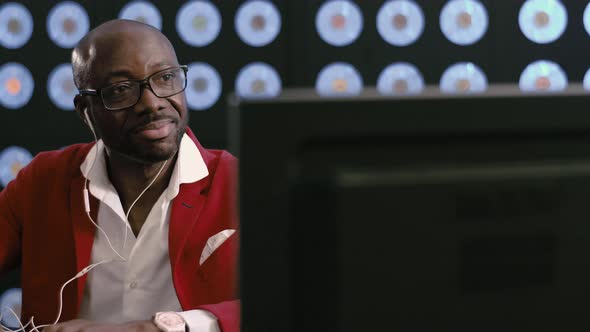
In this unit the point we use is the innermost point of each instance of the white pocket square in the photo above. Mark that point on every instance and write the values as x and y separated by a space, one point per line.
214 242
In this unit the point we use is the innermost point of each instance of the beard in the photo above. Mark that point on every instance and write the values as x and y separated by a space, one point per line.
160 151
149 152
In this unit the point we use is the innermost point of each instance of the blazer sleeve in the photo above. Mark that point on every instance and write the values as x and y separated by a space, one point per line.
227 313
13 201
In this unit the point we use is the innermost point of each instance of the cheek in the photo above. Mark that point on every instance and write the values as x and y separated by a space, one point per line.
179 104
111 124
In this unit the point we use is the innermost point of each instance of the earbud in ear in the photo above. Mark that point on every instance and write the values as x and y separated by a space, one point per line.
89 123
87 117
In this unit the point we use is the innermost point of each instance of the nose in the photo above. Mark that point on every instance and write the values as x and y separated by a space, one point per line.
148 101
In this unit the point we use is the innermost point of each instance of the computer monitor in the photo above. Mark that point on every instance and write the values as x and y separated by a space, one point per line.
426 213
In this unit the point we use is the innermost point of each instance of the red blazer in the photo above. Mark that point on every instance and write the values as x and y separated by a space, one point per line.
45 230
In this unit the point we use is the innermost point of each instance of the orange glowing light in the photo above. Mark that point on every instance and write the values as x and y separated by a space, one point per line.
15 168
258 23
542 19
400 22
13 86
338 22
339 85
542 83
464 20
400 86
463 85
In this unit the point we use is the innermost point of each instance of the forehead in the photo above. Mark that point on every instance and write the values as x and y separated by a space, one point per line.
134 53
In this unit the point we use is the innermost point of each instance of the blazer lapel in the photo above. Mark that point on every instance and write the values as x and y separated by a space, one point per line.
186 209
84 232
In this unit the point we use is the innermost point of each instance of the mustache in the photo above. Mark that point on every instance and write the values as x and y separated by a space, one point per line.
149 119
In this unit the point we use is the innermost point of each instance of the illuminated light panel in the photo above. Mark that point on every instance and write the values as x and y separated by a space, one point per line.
142 11
12 160
61 87
12 298
16 25
463 78
464 22
339 22
16 85
204 86
400 22
543 76
258 80
587 18
258 22
198 23
586 81
67 23
339 79
542 21
400 79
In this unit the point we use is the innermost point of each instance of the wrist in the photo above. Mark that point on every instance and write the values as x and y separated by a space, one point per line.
144 325
149 325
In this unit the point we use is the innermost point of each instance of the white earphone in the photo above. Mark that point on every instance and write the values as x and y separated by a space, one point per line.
86 196
89 123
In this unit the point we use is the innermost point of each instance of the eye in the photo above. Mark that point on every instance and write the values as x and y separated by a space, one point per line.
120 89
167 77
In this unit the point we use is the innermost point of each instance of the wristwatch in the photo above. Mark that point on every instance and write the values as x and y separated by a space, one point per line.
169 321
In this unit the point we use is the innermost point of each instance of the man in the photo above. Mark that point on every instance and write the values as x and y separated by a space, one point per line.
167 242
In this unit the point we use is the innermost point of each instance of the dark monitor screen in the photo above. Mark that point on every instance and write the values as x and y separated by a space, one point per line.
425 213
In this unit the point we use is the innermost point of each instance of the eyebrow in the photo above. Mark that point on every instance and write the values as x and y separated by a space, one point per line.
125 73
117 73
164 64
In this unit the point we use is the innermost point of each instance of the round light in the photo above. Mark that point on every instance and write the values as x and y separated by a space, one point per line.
12 160
67 23
258 22
142 11
198 23
400 22
587 18
542 76
12 298
542 21
258 80
464 22
339 79
204 86
16 25
16 85
400 79
61 87
587 80
339 22
463 77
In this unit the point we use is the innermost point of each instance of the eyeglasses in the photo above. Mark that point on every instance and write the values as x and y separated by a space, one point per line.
125 94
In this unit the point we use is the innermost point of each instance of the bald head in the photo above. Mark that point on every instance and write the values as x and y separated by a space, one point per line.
107 39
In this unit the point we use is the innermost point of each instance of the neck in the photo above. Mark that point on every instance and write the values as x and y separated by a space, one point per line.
130 177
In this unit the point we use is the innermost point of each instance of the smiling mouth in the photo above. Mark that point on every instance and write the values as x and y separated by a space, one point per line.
156 130
154 125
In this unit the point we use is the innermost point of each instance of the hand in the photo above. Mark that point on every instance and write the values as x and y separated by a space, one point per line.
81 325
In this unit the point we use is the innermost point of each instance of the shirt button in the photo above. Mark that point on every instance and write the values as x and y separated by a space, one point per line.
133 284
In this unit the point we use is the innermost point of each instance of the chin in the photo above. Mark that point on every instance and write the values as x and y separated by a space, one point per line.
149 152
158 153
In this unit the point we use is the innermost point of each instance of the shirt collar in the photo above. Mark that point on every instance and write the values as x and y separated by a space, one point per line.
190 167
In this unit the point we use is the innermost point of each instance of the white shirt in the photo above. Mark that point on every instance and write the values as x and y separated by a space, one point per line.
118 291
